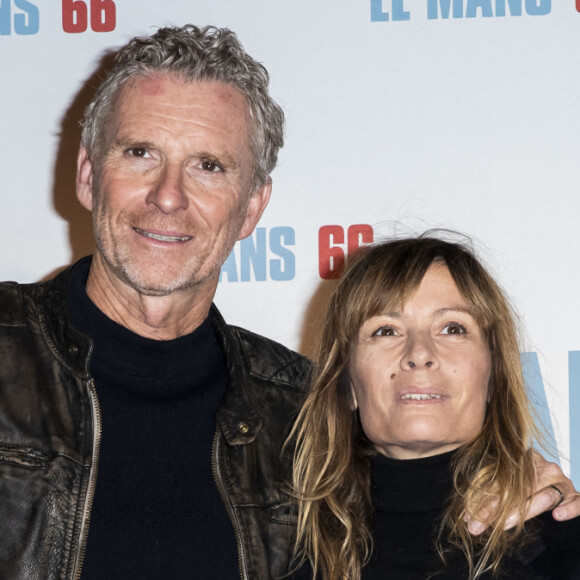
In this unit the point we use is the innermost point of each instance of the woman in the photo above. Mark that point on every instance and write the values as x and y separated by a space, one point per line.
418 419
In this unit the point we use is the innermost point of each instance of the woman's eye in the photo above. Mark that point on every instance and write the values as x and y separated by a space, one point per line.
385 331
210 166
454 328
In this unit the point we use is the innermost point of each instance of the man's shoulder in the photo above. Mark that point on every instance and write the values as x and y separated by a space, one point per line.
269 360
12 311
15 295
20 301
562 535
550 551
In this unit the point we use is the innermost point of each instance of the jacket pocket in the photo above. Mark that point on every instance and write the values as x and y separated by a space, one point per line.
26 457
284 512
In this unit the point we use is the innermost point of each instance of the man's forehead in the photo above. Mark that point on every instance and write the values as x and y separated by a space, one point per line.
164 110
159 83
168 98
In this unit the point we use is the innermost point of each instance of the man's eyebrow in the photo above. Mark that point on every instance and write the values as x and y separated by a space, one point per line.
224 159
126 143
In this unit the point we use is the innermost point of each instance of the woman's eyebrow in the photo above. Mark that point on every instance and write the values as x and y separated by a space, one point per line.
394 314
445 310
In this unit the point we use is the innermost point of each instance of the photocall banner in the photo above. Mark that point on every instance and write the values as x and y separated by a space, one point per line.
402 115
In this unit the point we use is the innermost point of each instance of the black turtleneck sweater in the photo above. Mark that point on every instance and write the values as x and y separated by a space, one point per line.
410 497
157 512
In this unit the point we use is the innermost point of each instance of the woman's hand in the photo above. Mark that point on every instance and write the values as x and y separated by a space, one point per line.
552 491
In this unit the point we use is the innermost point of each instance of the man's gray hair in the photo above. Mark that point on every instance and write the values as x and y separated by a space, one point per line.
194 54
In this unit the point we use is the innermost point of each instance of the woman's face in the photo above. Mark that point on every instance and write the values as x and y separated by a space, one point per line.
420 375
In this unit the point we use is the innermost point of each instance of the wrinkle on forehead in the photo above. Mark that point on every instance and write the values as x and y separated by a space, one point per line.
159 84
203 112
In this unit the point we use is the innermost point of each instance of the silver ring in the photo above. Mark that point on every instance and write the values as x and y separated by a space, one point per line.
561 495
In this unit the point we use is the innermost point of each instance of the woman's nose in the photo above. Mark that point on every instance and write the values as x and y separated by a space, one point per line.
419 354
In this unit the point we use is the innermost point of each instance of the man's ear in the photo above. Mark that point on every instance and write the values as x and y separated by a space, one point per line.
84 180
257 203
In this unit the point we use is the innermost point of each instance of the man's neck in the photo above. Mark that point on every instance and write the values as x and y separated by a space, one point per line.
157 317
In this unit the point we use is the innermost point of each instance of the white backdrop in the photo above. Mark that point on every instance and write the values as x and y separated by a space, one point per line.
401 115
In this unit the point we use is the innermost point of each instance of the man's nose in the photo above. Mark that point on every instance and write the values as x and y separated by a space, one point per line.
168 194
419 353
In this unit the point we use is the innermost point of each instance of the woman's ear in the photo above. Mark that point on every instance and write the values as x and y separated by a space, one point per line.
353 399
489 391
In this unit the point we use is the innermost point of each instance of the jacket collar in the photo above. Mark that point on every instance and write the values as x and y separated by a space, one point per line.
71 347
236 416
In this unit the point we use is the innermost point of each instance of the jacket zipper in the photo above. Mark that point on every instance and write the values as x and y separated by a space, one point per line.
97 427
229 510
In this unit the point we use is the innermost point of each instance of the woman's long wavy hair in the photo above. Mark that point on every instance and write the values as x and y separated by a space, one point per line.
331 478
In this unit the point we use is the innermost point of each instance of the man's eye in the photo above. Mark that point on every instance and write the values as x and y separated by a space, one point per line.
454 328
140 152
210 166
385 331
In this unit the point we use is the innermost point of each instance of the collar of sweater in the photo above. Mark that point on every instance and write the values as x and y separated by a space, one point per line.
411 485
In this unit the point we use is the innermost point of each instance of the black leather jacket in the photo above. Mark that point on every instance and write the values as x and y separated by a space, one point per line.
50 432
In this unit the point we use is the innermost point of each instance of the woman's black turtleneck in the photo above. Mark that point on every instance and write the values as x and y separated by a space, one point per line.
409 498
157 512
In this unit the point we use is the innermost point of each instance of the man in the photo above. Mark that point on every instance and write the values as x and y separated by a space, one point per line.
140 435
112 462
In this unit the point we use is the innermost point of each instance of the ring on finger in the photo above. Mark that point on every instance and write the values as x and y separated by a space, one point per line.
561 495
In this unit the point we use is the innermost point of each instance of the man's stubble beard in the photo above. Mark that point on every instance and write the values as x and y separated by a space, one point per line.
117 255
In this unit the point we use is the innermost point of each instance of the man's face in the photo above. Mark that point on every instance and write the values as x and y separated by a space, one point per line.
172 193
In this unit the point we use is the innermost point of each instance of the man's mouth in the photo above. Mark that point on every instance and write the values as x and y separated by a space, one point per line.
162 238
419 397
